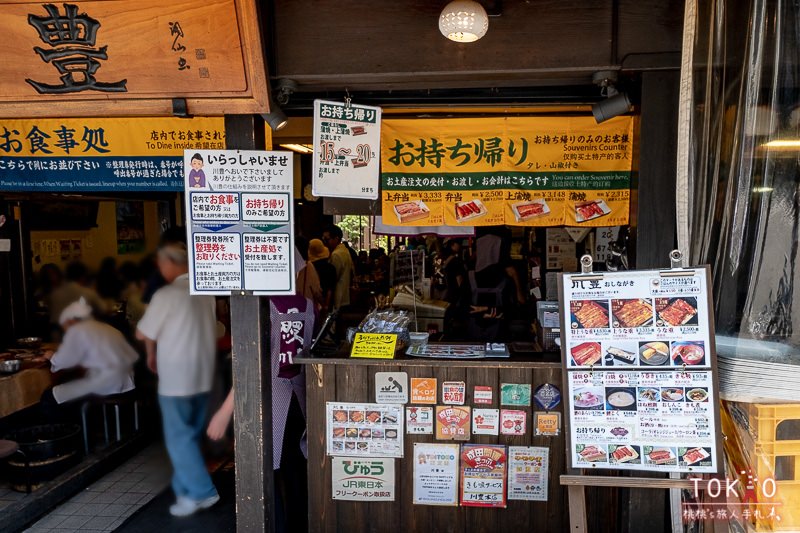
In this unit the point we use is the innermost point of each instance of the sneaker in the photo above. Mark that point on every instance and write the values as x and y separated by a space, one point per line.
184 506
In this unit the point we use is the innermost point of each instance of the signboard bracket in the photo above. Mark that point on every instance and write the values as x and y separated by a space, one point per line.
179 108
586 264
676 259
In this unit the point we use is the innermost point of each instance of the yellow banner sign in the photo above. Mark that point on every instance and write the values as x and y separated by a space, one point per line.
523 171
374 345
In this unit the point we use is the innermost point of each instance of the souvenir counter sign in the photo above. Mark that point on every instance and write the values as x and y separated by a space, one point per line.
515 394
512 422
423 390
483 475
453 422
369 479
346 150
547 397
639 354
527 473
364 429
419 420
482 395
454 392
374 345
485 421
241 215
391 387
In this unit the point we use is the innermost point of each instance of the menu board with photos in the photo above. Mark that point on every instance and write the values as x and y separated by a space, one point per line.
364 429
640 359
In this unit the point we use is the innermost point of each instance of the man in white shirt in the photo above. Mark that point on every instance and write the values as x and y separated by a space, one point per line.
342 263
96 347
179 332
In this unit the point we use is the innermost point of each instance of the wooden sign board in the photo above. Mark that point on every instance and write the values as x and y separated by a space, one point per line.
130 57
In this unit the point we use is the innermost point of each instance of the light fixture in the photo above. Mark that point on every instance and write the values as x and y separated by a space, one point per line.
299 148
763 189
276 118
463 21
782 144
615 104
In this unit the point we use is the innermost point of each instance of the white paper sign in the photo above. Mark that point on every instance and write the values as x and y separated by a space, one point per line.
391 387
367 479
419 420
436 474
527 473
602 244
485 421
346 150
241 219
364 429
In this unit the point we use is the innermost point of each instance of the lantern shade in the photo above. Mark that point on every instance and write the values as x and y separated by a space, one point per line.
463 21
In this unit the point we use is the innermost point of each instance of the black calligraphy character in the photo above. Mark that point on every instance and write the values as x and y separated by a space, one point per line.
182 64
66 138
94 140
77 63
10 145
176 30
37 137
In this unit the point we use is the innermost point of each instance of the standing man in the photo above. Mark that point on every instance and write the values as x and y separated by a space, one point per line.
179 332
342 263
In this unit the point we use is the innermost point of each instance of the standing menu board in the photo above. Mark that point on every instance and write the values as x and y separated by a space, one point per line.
640 361
240 219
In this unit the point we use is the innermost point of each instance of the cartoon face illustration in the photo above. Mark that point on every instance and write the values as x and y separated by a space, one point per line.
197 164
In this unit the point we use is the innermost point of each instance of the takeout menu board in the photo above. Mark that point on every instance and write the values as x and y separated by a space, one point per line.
364 429
643 420
637 319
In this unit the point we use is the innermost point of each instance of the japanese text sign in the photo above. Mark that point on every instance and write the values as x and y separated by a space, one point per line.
483 475
525 171
357 479
374 345
435 474
346 146
364 429
101 154
527 473
453 422
239 204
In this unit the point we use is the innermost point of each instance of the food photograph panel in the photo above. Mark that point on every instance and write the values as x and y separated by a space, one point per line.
589 314
632 313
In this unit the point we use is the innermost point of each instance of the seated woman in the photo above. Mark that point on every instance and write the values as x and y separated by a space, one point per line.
94 346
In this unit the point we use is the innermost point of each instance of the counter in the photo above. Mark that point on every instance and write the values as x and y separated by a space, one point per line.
352 380
24 389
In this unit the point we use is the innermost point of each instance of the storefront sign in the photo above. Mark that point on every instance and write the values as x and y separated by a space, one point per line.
241 214
454 392
527 473
453 422
515 394
346 146
101 154
482 395
513 422
131 57
485 421
483 475
362 479
546 424
639 356
436 474
423 390
364 429
391 387
374 345
524 171
419 420
547 396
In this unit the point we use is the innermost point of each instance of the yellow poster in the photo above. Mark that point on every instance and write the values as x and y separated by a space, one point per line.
522 171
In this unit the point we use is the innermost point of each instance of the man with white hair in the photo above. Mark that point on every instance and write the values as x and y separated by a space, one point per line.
96 347
179 332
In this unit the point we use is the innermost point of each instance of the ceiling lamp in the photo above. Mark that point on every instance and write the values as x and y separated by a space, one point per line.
463 21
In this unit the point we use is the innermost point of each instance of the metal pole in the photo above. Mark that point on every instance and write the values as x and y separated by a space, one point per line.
252 377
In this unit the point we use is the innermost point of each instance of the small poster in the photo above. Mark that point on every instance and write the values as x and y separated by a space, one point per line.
370 479
527 473
436 474
419 420
453 422
515 394
485 421
512 422
483 475
346 150
547 397
391 387
547 424
482 395
364 429
374 345
423 390
454 392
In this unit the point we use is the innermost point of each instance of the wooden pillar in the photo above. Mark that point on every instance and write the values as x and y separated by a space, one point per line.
252 377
